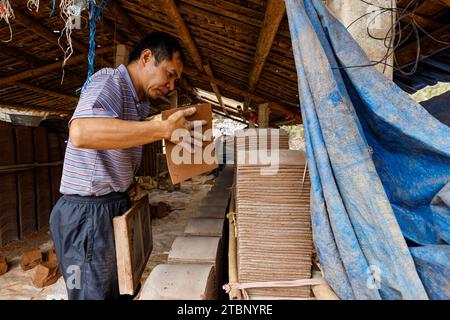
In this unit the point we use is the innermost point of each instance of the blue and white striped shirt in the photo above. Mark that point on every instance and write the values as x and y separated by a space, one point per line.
89 172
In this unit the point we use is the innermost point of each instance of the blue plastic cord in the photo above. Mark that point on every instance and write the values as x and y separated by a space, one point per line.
95 13
53 8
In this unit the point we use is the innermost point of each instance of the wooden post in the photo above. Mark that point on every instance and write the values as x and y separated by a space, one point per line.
263 115
122 55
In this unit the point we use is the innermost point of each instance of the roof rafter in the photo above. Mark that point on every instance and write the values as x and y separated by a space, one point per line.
428 46
175 16
49 67
275 10
273 105
29 23
68 97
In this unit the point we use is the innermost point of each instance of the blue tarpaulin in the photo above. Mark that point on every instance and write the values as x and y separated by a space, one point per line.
379 166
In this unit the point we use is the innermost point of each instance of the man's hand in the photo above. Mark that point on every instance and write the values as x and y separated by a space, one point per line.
178 121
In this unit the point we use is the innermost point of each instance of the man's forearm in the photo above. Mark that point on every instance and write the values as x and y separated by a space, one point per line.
105 133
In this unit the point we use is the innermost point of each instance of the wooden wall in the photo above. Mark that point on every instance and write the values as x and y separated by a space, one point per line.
29 183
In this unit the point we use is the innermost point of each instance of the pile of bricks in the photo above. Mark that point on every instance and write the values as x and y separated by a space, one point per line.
46 271
194 270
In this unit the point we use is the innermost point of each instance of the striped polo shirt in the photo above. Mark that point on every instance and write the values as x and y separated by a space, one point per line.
89 172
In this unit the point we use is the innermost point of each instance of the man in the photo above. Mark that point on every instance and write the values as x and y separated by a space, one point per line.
106 134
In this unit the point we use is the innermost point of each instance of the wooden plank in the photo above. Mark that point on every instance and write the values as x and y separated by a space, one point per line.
222 8
429 8
42 175
180 172
25 181
122 55
134 243
54 154
8 188
18 54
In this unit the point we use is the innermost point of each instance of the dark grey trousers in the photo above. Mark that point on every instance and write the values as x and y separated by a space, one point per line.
82 232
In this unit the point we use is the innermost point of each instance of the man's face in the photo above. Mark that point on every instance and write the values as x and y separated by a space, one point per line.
159 80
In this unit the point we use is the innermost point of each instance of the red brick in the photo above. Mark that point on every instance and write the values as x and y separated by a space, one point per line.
51 257
3 265
45 274
31 258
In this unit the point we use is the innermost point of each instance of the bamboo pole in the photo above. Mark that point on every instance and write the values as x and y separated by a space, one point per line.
234 294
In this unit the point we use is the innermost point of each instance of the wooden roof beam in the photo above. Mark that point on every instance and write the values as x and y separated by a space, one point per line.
174 14
445 2
274 14
275 10
19 55
19 107
274 106
49 67
27 86
428 46
423 22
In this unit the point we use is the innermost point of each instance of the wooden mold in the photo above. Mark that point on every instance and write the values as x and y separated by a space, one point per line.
134 243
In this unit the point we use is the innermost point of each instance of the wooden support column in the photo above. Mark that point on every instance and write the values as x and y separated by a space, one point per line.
263 115
122 55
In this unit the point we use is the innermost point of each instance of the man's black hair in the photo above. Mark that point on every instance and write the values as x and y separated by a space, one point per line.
162 45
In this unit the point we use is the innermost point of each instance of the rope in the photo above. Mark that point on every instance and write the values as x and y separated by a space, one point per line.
7 14
273 284
94 16
70 12
232 217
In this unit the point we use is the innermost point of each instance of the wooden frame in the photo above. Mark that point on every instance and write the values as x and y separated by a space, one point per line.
134 243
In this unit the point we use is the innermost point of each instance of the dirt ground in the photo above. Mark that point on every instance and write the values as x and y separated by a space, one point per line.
17 284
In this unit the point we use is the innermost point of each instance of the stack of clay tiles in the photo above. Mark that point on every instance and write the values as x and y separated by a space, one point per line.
261 139
274 238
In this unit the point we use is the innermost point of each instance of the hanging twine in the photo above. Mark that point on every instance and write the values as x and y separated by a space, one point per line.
71 15
7 14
